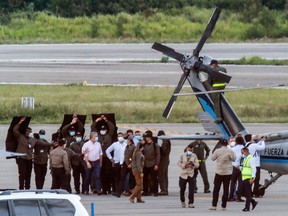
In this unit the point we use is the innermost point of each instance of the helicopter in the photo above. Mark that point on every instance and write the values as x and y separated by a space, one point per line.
197 70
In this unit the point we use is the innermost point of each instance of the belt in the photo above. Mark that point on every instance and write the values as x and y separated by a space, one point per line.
94 161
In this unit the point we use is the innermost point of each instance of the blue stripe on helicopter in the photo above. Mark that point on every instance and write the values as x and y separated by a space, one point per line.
211 112
273 159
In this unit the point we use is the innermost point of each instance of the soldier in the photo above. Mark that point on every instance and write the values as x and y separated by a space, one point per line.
40 161
202 151
105 135
76 163
26 143
69 130
165 149
151 153
60 167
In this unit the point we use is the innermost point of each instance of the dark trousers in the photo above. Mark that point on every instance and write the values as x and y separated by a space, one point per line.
59 179
77 172
124 172
116 176
218 180
24 171
236 178
256 183
163 176
106 174
149 171
96 173
203 172
40 171
247 193
182 185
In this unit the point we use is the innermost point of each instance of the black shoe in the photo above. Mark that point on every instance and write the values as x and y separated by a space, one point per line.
156 194
145 194
195 191
240 200
77 192
207 191
254 204
140 201
245 210
116 194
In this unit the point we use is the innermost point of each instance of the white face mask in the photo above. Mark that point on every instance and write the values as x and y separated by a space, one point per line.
189 152
31 135
42 137
120 139
78 139
102 132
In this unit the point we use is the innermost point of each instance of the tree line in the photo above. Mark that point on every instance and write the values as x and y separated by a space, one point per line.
75 8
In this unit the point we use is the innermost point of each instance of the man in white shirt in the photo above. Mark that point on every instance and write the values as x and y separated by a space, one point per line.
118 148
255 146
93 157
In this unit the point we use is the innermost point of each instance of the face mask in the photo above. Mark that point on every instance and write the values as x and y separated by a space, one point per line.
102 132
189 153
42 137
96 139
243 156
78 139
138 137
72 133
120 139
31 135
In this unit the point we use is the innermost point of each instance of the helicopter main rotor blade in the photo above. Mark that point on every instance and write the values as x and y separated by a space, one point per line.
218 75
173 98
168 51
208 31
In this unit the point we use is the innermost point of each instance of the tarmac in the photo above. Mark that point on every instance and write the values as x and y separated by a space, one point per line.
273 203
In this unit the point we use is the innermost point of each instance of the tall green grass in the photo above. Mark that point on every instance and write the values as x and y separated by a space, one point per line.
133 104
175 25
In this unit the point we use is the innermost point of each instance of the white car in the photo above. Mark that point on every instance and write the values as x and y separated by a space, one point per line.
40 203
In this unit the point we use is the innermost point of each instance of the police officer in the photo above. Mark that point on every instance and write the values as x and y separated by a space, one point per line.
60 167
69 131
40 160
76 163
248 175
105 135
165 149
217 85
26 143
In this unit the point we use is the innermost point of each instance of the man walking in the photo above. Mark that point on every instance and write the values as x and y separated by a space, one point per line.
248 175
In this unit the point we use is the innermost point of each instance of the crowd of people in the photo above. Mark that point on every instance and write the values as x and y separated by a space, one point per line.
133 165
237 169
136 164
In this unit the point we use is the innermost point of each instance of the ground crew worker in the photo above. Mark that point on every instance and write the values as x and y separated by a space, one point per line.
202 151
217 85
248 175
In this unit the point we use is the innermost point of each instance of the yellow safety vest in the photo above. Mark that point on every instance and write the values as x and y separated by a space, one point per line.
246 168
